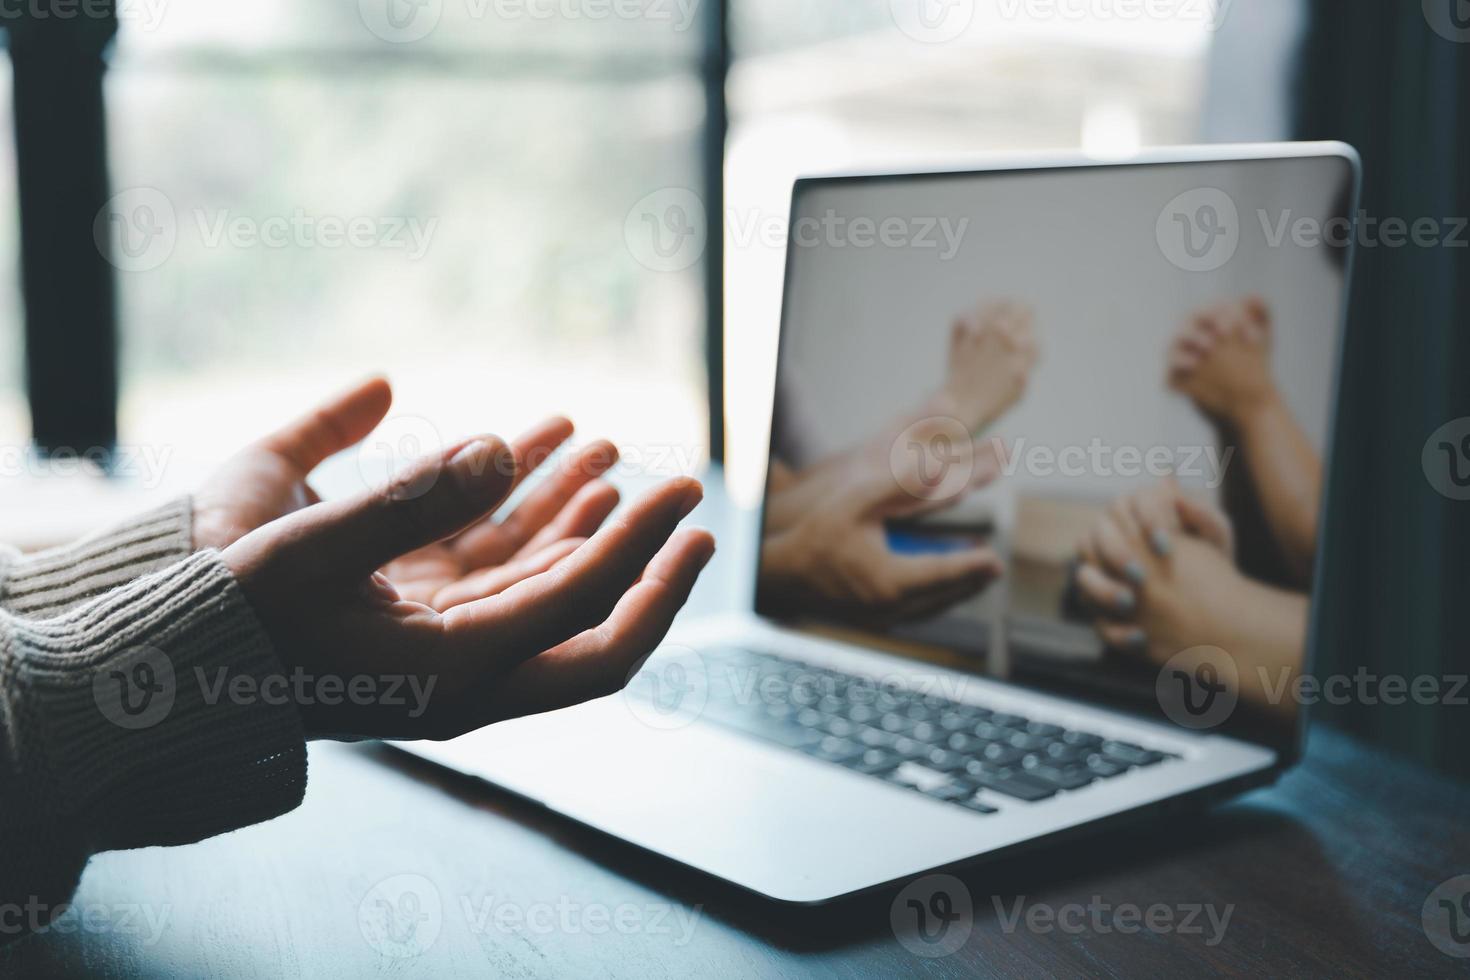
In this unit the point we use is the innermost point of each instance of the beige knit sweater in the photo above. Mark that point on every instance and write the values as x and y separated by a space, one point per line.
108 739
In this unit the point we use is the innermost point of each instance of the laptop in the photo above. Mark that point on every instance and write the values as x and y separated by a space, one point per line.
928 677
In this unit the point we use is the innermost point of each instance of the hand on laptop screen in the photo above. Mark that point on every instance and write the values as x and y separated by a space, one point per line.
1159 574
1221 361
830 547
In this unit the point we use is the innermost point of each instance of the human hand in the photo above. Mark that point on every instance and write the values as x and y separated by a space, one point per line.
833 558
1163 511
571 633
268 479
551 522
1157 573
991 355
1222 361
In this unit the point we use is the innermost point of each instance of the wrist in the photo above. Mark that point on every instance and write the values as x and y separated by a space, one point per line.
1254 413
975 416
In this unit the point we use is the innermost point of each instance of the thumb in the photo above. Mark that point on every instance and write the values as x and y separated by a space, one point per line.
435 497
338 424
1206 522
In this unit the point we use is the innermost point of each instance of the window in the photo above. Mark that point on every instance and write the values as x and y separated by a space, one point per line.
14 416
833 85
445 196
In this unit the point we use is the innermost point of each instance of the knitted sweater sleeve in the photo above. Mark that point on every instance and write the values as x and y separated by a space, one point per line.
119 727
50 582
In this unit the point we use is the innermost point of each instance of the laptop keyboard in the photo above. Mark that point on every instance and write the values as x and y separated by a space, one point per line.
944 749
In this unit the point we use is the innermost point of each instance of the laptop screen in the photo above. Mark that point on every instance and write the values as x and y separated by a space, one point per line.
1065 427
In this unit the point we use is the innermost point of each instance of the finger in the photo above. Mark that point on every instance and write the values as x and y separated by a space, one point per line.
600 661
581 518
1156 517
1207 522
1259 316
1120 511
1111 550
974 569
340 423
431 500
1105 594
933 603
491 544
1182 363
535 446
1197 344
492 581
1121 636
579 592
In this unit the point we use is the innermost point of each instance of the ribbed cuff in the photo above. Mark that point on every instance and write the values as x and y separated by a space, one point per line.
47 583
127 728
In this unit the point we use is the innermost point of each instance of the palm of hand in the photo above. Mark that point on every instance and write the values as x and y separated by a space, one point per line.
252 489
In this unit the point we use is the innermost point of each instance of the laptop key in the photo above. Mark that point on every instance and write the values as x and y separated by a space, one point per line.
973 803
1021 786
1004 755
925 731
1030 743
874 762
1060 778
876 738
834 749
918 777
945 760
966 744
949 791
1104 769
1133 755
1063 753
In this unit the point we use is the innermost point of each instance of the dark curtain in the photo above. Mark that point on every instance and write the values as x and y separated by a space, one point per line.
1393 79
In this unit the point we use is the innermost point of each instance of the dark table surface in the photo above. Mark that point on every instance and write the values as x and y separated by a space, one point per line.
1325 874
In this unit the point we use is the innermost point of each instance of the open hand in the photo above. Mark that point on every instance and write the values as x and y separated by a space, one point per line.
573 632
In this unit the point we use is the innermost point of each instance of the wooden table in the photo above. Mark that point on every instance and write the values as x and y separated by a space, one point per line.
1323 875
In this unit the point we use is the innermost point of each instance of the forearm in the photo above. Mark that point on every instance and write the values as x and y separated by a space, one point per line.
47 583
115 731
1287 474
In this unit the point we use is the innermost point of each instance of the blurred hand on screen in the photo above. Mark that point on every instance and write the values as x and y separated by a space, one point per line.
1221 361
834 559
1156 572
991 355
